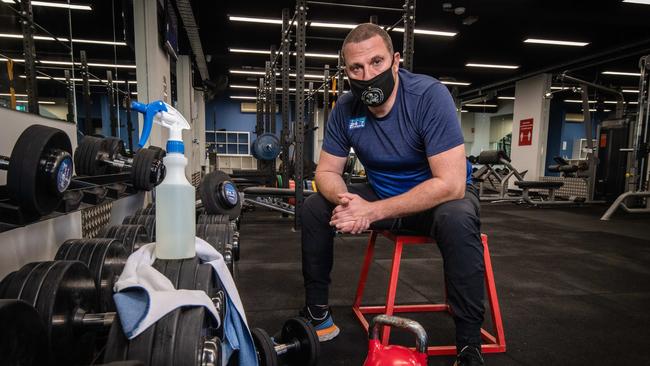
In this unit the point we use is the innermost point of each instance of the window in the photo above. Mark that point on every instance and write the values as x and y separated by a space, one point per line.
228 142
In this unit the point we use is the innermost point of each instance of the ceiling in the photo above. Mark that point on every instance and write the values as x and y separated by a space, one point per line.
496 37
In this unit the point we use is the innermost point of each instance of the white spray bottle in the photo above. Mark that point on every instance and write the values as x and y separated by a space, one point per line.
175 196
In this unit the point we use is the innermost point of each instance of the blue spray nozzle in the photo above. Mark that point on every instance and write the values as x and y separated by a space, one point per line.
149 110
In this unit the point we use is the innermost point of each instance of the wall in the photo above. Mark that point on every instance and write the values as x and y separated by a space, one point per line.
530 103
223 113
480 139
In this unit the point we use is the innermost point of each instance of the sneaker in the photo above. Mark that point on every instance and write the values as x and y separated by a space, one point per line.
324 324
469 356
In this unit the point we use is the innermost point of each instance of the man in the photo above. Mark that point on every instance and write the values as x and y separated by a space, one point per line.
405 131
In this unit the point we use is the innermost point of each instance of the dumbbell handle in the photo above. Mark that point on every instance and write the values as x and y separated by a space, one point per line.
286 347
4 162
86 319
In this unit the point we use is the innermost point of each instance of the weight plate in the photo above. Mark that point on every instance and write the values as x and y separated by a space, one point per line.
106 263
162 351
22 335
87 156
210 190
14 285
5 282
131 236
266 147
300 329
264 348
145 211
190 336
212 219
142 175
56 289
26 180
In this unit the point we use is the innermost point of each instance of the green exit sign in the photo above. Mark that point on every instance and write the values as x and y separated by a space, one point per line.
21 108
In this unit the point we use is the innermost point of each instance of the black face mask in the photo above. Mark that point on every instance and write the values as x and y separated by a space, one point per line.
374 92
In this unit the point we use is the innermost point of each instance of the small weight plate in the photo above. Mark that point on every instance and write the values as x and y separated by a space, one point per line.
67 286
106 263
190 335
22 335
162 351
300 329
14 286
264 347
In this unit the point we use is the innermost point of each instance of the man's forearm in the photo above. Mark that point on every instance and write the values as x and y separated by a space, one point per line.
330 184
424 196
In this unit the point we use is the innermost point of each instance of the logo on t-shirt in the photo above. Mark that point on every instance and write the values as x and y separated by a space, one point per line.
359 122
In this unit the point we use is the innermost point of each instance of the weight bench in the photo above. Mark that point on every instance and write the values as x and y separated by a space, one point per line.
526 186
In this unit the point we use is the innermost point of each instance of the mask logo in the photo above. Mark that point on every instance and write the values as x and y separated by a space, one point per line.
357 123
372 96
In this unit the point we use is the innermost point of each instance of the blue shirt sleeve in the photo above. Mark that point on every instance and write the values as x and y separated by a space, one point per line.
336 141
439 125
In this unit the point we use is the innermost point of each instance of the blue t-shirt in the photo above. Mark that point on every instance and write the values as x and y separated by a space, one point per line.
394 149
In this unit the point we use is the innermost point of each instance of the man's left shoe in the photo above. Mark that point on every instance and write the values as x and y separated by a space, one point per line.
469 356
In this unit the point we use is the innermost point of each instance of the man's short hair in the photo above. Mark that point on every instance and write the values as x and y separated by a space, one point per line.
366 31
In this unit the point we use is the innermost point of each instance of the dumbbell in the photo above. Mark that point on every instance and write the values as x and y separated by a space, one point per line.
98 156
39 169
297 345
22 336
131 236
64 294
219 195
105 259
220 237
184 336
148 221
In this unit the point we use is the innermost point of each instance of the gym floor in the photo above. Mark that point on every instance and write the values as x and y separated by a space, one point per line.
573 290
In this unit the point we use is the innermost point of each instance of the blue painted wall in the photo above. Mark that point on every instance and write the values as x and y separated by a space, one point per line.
100 111
224 114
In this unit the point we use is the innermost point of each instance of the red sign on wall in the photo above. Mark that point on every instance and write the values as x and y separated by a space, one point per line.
526 132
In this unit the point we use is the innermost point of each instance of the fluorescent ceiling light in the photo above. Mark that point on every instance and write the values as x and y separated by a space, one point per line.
429 32
577 101
8 95
556 42
506 98
247 72
243 87
481 105
54 5
63 39
332 25
596 110
79 80
461 83
39 102
68 63
318 24
244 50
254 20
463 111
565 88
492 66
278 89
631 91
242 97
642 2
622 73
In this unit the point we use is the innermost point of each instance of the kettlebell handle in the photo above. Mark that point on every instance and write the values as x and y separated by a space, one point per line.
412 326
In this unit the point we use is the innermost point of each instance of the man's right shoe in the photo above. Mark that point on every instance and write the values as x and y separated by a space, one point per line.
323 323
469 356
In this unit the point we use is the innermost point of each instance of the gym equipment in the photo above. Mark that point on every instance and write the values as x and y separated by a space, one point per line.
99 156
39 169
131 236
266 147
148 221
183 337
221 237
105 259
213 219
219 195
637 197
22 338
297 345
495 179
64 294
380 355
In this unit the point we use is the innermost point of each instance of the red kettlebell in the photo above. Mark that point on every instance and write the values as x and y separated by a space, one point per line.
392 355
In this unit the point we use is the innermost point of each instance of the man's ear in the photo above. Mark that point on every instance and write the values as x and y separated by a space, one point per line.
396 58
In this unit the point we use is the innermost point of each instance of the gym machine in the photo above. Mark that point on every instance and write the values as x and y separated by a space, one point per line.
638 158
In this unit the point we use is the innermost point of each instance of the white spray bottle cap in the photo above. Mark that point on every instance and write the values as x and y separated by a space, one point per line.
167 116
